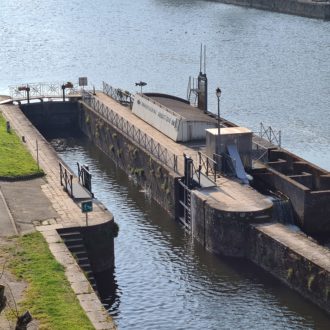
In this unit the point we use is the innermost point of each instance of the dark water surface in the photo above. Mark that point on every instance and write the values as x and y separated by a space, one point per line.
273 68
166 281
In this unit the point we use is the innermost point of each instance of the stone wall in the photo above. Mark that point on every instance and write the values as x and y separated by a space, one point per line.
222 232
292 268
308 8
99 244
48 117
148 172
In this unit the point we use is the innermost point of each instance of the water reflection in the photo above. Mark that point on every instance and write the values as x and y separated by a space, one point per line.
164 280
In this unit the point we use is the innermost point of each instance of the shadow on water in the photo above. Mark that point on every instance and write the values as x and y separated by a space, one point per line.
165 280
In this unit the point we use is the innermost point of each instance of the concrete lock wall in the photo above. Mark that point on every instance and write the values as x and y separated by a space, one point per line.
292 268
148 171
315 9
99 243
52 116
219 231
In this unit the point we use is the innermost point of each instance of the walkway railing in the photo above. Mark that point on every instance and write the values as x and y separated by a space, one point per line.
66 179
271 135
142 139
41 90
208 166
123 97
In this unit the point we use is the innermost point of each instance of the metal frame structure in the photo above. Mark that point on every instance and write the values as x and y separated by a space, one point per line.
41 90
118 95
271 135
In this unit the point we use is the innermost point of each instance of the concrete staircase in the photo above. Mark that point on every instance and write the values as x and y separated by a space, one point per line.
75 243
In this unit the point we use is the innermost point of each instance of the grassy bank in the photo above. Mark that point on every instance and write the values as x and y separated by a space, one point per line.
49 296
15 160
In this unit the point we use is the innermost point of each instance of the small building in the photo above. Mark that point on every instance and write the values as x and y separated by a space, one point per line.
239 138
173 116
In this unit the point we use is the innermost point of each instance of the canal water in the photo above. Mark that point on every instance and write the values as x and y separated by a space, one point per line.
166 281
272 68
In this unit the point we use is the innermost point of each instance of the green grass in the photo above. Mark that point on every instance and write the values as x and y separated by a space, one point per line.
15 159
48 297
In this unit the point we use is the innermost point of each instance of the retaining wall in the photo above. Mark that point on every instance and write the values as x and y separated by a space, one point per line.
293 268
49 117
307 8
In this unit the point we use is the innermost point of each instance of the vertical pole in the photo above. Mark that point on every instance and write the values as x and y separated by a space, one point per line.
218 137
86 219
61 174
63 89
37 147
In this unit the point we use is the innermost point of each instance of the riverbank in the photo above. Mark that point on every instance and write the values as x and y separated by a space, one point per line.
42 205
307 8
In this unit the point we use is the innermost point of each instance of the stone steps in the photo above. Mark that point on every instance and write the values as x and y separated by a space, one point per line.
75 243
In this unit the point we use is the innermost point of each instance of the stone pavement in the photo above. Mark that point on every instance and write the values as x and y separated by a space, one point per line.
44 204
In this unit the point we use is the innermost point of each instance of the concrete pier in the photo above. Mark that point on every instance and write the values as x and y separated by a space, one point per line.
230 219
308 8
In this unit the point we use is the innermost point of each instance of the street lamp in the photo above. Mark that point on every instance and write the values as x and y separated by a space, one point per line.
218 94
64 86
27 90
141 84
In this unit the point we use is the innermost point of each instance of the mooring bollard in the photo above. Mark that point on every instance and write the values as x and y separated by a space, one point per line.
8 126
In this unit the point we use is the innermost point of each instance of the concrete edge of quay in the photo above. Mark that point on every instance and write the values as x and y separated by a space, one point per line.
69 216
306 8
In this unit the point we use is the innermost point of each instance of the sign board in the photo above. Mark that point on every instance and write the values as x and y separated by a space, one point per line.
86 206
83 81
163 119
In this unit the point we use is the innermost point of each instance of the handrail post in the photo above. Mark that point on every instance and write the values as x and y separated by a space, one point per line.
71 185
66 180
61 174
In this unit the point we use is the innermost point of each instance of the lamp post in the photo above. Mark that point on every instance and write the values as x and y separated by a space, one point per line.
27 90
218 147
64 86
141 84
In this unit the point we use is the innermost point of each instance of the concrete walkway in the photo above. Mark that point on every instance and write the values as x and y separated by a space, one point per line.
44 205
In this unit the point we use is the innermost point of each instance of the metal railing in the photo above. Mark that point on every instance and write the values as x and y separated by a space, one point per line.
66 179
208 166
228 164
259 153
271 135
142 139
123 97
41 90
